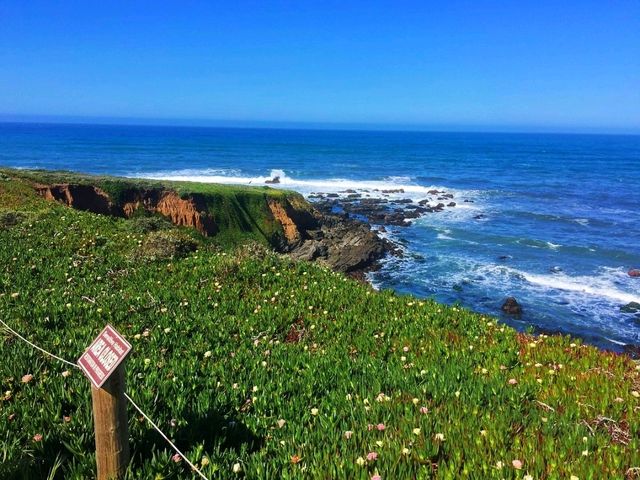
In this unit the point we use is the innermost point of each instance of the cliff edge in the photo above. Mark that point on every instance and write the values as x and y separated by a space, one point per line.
281 219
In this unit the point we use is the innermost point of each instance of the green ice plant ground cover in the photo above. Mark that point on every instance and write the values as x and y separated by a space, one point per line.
259 367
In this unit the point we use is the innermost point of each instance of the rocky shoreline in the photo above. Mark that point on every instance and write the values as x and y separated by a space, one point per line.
384 208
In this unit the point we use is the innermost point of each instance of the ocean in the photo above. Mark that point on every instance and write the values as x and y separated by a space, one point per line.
553 220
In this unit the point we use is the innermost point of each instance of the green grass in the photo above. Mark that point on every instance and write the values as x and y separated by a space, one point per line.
229 342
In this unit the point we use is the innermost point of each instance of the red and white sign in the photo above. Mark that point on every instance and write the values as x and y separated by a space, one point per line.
104 355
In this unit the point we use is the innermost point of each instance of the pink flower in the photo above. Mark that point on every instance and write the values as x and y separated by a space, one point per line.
27 378
176 458
376 477
37 437
513 381
372 456
424 410
405 349
380 426
517 464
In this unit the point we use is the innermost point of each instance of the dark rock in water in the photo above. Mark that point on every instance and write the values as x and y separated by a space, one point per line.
451 204
504 257
423 202
631 307
350 190
398 190
511 306
468 201
634 272
555 269
404 201
480 217
333 195
274 180
632 350
433 192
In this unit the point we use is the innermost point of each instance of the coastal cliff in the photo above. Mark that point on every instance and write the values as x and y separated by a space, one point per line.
282 220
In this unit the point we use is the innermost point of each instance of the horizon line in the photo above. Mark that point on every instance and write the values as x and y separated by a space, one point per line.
310 125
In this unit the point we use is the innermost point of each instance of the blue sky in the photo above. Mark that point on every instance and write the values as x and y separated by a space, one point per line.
510 65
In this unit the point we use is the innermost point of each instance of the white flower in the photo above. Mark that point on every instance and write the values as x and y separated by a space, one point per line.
416 431
281 423
406 451
237 468
314 411
207 354
439 437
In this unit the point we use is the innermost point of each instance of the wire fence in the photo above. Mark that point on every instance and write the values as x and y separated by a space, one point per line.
129 399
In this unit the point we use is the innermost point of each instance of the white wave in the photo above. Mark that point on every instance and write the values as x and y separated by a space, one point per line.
582 221
307 186
442 236
553 246
599 286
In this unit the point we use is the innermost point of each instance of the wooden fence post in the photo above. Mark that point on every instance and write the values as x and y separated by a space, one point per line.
111 427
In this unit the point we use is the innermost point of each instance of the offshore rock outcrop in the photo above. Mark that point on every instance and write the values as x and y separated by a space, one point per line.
306 234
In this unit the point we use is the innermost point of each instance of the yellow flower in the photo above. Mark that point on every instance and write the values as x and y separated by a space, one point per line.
406 451
314 411
360 461
416 431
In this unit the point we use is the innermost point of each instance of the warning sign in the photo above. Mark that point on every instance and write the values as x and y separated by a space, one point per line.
104 355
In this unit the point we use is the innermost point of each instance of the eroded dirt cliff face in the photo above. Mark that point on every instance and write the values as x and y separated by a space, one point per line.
343 245
290 229
181 211
82 197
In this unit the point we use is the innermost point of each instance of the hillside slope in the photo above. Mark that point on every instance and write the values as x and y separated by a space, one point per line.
262 367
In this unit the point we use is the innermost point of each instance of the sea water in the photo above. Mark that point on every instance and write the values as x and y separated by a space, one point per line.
553 220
